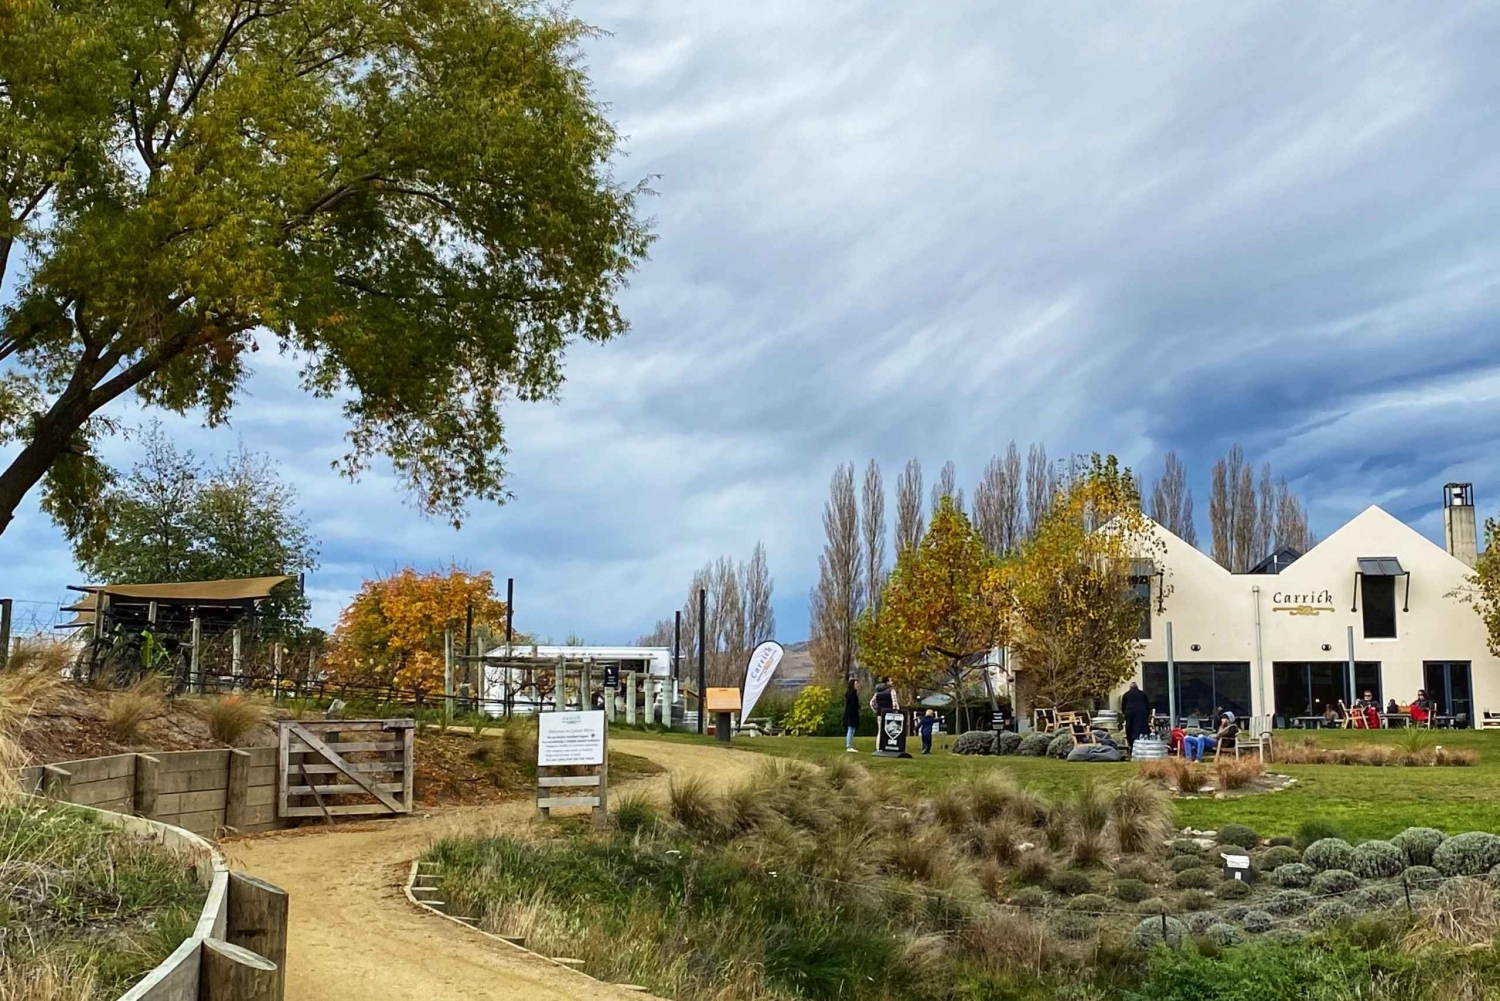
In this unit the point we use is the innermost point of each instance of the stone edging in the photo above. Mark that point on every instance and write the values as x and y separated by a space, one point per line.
505 943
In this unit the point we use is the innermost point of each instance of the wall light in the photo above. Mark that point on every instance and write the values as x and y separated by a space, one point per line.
1327 647
1195 648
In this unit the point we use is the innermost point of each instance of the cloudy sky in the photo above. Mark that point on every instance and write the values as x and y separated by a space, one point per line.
896 230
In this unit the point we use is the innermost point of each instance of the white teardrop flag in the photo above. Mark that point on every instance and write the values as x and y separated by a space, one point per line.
764 660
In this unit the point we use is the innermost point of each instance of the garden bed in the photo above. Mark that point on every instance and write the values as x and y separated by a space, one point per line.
87 908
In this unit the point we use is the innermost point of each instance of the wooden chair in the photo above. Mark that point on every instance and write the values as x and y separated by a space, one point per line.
1044 720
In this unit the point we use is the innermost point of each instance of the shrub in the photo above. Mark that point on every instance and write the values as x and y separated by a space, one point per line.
1238 835
636 811
1256 922
1232 889
1331 912
127 710
1029 896
692 805
1070 882
1006 742
1132 891
1332 881
975 742
230 717
1199 921
1313 830
1278 855
1195 900
1182 863
1141 871
1330 853
1471 854
1281 841
1375 896
1093 902
1142 815
1151 905
1153 932
1072 926
1220 933
1034 868
1376 859
1294 874
1061 745
1286 937
806 717
1235 912
1195 879
1422 877
1418 843
1185 846
1034 745
1286 902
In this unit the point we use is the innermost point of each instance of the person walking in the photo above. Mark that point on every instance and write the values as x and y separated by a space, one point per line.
851 715
925 726
1135 708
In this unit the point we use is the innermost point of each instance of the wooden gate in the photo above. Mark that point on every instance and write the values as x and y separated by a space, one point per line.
365 763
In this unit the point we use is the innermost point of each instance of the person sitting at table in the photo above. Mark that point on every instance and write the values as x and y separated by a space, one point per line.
1193 745
1421 709
1392 709
1330 715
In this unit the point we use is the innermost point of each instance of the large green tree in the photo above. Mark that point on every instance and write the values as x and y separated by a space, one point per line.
414 198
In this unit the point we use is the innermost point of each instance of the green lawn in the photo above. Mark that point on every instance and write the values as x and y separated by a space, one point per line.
1366 802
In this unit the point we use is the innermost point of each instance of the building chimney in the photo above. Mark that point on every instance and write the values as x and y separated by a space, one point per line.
1458 522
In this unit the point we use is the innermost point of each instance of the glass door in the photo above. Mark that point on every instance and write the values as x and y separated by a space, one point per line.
1449 689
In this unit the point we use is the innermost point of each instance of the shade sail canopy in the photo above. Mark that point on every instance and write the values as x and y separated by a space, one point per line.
236 589
1380 566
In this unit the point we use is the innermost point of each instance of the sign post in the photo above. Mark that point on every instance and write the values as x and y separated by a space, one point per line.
572 763
890 735
723 702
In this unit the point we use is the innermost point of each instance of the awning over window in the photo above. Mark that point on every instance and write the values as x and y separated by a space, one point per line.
1380 566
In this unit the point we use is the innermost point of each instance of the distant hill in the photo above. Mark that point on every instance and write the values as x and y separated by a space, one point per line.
796 670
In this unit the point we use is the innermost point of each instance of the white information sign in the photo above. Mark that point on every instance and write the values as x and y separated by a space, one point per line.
763 663
575 738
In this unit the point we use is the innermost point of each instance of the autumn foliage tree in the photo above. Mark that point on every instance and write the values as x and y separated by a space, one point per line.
1075 612
945 604
392 633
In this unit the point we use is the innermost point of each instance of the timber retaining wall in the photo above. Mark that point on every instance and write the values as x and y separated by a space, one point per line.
204 792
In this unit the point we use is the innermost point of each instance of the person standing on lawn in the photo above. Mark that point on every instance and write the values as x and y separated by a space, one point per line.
1135 708
851 715
925 726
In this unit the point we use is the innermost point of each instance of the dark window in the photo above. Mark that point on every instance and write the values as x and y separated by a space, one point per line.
1306 690
1140 589
1203 688
1379 594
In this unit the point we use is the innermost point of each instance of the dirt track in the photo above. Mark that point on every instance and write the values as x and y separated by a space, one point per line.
354 936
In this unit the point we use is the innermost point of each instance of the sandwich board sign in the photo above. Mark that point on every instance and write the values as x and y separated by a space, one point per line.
890 734
572 762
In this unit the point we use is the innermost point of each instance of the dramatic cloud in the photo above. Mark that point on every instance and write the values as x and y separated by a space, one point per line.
894 229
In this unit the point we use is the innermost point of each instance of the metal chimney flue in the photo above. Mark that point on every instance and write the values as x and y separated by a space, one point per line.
1459 529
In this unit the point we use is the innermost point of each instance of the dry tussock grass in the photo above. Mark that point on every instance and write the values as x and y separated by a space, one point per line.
1003 942
32 682
230 717
1417 751
129 709
1461 913
45 978
1238 773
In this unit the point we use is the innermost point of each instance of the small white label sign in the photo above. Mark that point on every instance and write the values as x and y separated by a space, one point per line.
575 738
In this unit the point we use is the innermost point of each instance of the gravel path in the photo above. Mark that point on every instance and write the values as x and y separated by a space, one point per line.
354 936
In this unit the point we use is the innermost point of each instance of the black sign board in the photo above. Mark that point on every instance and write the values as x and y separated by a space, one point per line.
611 676
890 735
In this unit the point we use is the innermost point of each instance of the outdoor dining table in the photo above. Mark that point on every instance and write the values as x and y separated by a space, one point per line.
1310 722
1395 720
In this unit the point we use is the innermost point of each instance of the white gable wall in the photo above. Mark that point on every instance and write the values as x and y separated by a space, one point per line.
1309 604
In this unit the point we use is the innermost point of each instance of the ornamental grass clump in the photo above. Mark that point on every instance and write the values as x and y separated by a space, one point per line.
1418 843
1461 913
988 796
1141 814
1377 860
1003 838
1329 853
1471 854
1238 773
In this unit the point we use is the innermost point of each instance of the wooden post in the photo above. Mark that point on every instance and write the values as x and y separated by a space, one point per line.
195 663
256 920
276 672
448 672
233 973
98 630
238 789
147 784
560 689
57 784
601 812
630 698
585 684
5 608
234 657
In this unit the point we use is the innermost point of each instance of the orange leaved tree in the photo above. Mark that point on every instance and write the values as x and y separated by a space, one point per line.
943 607
392 632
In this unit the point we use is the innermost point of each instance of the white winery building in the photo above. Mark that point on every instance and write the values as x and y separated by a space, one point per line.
1376 600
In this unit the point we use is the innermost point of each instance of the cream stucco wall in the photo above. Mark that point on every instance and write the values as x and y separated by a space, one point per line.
1216 610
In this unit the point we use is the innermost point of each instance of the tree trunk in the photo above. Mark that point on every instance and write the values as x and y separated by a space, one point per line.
54 433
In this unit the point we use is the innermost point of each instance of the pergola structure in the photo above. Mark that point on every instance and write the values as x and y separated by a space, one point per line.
218 605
